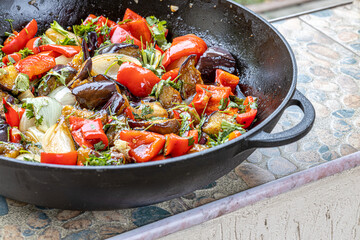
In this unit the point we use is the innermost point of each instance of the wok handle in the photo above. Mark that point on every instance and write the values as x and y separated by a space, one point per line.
264 139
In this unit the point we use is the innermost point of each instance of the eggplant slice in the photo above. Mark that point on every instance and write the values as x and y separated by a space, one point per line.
166 126
94 95
169 97
121 48
215 58
212 126
190 76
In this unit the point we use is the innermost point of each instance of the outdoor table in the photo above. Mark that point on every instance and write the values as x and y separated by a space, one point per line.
326 44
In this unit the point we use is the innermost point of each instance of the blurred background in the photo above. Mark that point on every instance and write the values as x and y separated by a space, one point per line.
277 9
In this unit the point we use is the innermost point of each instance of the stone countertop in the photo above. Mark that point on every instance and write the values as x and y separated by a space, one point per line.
327 49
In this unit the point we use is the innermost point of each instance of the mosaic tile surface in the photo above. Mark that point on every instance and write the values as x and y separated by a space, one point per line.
329 75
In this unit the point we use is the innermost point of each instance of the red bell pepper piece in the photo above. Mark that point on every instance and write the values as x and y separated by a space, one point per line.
15 58
172 74
129 14
89 19
10 38
103 20
50 53
15 135
194 134
225 79
201 99
129 113
159 158
217 93
87 132
69 158
120 35
144 145
140 30
66 50
20 40
11 115
184 46
176 145
234 135
35 65
33 45
248 117
138 80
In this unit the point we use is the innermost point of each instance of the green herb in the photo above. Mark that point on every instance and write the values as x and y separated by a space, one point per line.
25 52
185 122
10 21
56 26
223 136
60 77
191 141
99 146
32 110
157 89
7 34
30 159
104 31
83 29
2 54
11 60
158 30
45 40
145 110
151 59
5 109
67 41
223 103
103 159
119 61
125 21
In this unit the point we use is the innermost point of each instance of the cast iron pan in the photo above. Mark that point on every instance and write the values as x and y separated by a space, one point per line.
268 71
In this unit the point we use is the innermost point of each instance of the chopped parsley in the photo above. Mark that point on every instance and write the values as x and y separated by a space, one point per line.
151 59
56 26
158 30
25 52
99 146
223 103
101 159
223 136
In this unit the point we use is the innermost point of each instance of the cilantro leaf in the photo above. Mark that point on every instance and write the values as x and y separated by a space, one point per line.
99 146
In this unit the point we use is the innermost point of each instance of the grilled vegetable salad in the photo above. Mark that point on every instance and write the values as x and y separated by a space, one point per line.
112 93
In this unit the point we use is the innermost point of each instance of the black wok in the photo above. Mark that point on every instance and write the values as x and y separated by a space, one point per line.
268 71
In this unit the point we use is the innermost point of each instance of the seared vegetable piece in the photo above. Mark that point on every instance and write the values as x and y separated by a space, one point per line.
89 45
57 139
121 48
94 95
60 75
212 126
77 60
150 110
116 104
190 76
4 128
215 58
84 113
177 111
7 77
108 63
198 148
11 150
159 126
117 124
169 97
83 73
144 145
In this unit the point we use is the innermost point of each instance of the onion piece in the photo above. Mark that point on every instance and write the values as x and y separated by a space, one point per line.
58 139
63 60
26 94
29 157
25 122
34 134
63 95
107 63
46 111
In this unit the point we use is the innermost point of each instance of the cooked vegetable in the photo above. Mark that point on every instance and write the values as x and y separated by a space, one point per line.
45 110
169 97
212 126
68 158
94 95
215 58
57 139
159 126
248 117
35 65
109 63
63 95
7 77
4 129
189 76
121 48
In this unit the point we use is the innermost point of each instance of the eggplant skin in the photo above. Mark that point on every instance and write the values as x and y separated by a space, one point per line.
94 95
169 97
4 128
166 126
212 126
121 48
190 77
215 58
